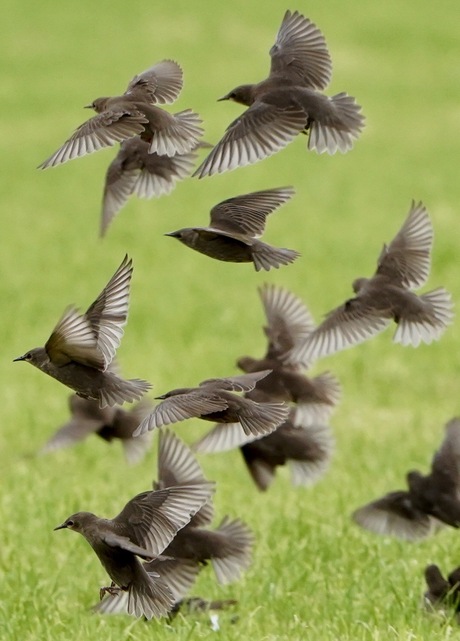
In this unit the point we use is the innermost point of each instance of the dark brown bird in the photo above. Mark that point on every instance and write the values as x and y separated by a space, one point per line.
288 103
429 501
214 400
235 226
135 113
387 296
142 529
137 171
228 547
81 348
110 423
307 449
442 592
289 323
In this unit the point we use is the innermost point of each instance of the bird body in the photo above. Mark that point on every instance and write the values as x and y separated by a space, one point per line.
110 423
135 170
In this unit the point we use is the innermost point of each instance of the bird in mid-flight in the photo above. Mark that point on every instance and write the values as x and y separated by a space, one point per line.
135 113
387 296
234 230
288 103
80 351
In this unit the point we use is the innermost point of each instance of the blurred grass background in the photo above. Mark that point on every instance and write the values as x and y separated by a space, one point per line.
315 575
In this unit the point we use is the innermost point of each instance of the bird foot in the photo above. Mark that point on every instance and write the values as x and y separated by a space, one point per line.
113 590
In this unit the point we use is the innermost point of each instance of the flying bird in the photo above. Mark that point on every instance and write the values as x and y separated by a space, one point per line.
135 113
81 348
214 400
387 296
287 103
142 529
306 449
429 501
235 227
289 323
109 423
228 548
135 170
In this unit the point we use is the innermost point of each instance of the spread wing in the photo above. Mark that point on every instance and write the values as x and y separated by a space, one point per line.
241 383
103 130
259 132
151 519
247 214
289 322
406 260
300 53
160 84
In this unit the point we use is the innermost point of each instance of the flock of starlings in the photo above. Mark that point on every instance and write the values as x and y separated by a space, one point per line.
154 549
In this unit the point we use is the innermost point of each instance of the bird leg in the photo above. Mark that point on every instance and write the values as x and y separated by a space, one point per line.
113 590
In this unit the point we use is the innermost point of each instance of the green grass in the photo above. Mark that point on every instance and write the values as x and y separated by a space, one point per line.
315 575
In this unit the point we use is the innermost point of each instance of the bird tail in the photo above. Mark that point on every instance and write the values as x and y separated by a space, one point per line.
262 472
157 183
149 597
178 574
234 550
327 393
430 322
117 390
180 134
265 256
260 419
339 128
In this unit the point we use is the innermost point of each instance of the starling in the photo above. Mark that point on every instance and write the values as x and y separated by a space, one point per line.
429 501
110 423
136 171
229 546
143 529
403 265
289 323
307 449
442 592
235 226
288 103
135 114
213 400
81 348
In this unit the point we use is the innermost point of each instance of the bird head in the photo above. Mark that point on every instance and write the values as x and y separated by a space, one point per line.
99 105
359 284
76 522
36 357
242 95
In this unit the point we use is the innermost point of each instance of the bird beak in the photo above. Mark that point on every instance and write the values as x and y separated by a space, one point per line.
60 527
223 98
173 234
87 106
19 358
162 397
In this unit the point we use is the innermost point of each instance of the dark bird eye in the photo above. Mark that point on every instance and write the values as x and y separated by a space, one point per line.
70 523
28 357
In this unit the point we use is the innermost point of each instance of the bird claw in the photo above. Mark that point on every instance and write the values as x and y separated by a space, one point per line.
113 590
